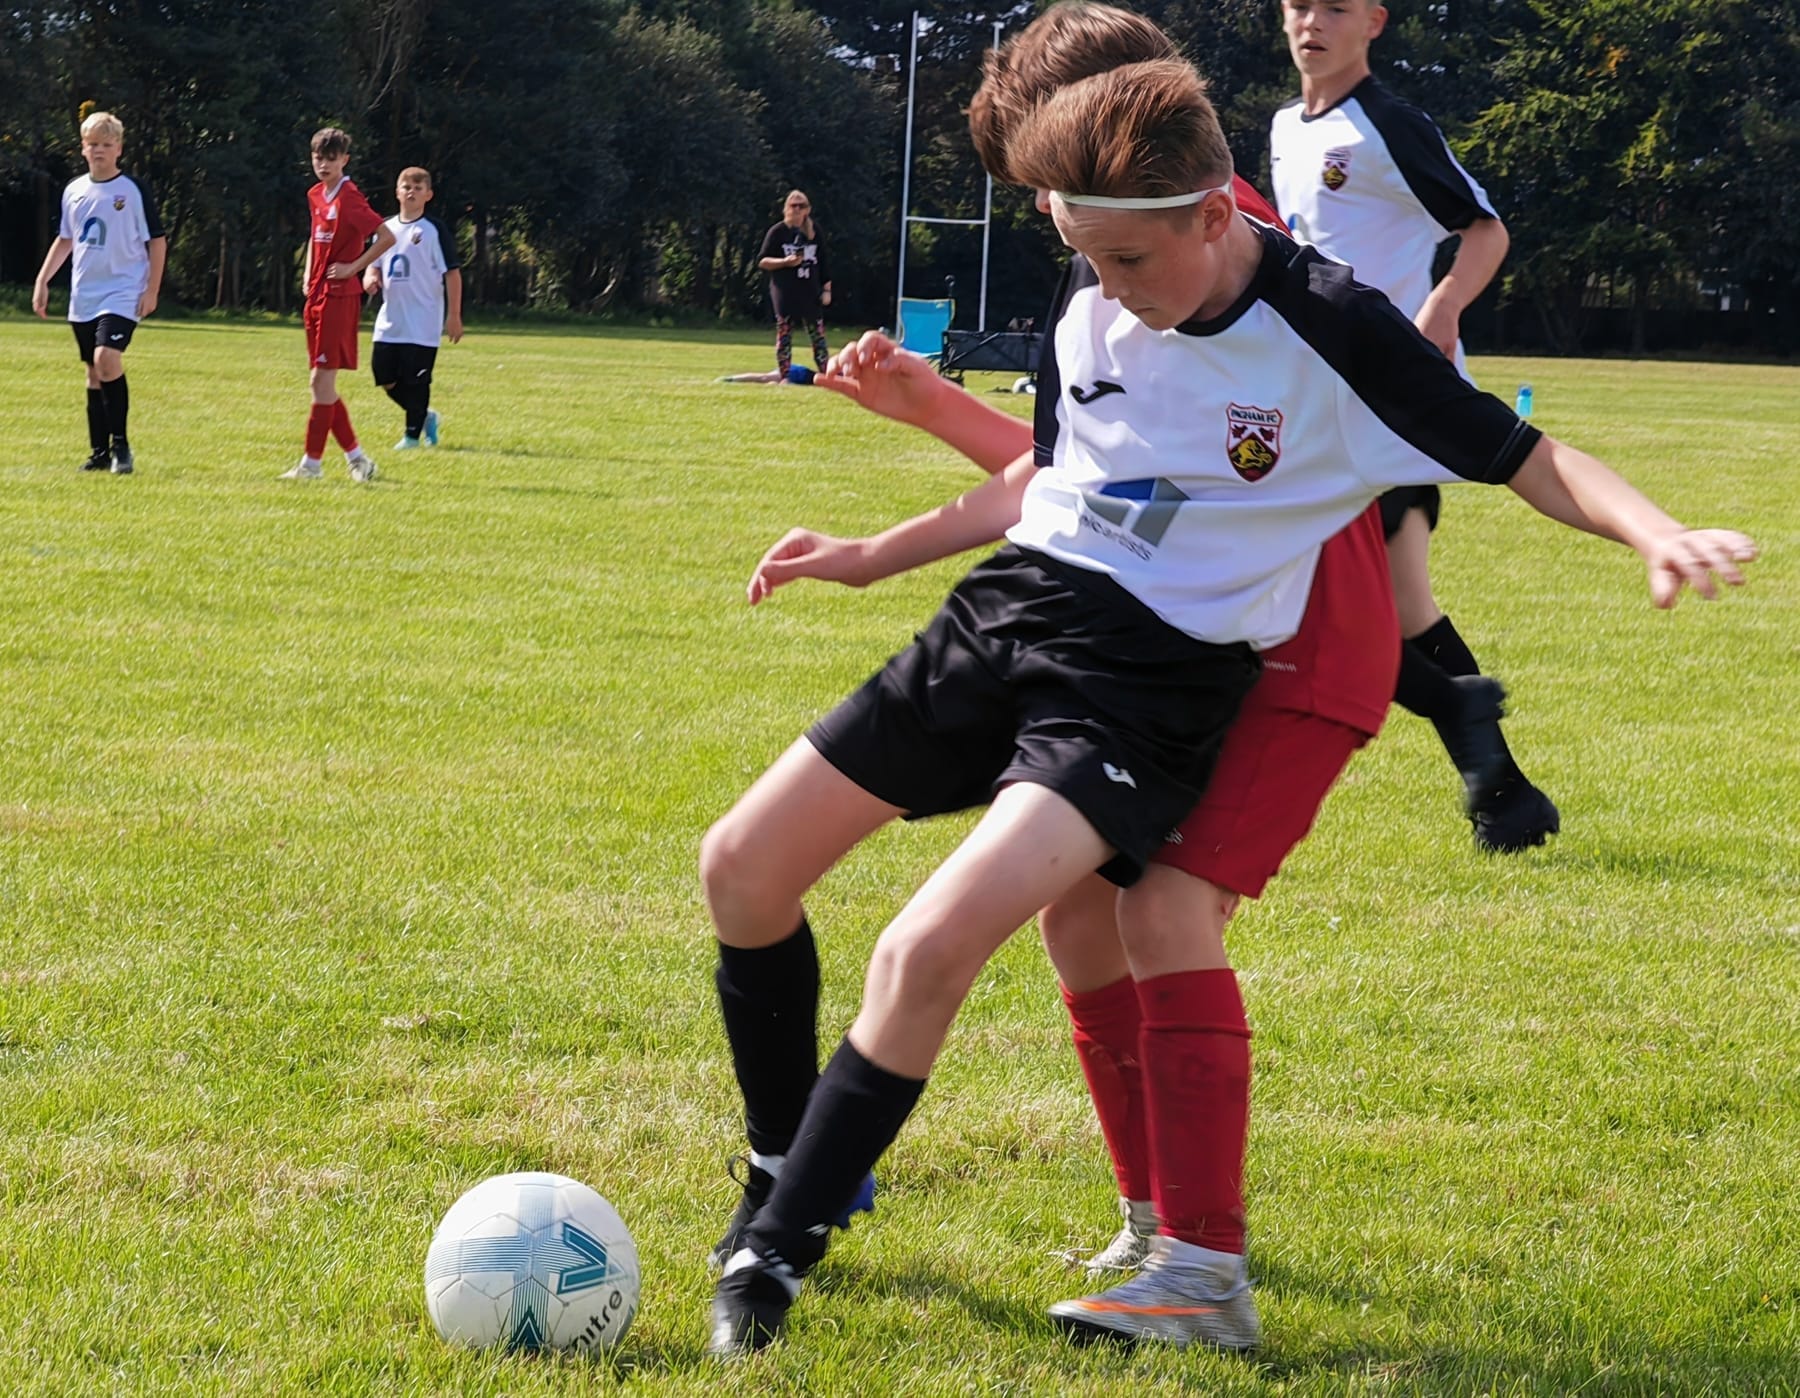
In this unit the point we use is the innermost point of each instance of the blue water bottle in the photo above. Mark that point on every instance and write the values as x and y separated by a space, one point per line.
1523 406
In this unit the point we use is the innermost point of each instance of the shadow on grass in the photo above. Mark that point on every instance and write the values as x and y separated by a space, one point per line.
1679 864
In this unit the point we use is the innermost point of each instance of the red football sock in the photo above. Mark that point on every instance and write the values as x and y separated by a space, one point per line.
1106 1023
318 428
1195 1049
341 428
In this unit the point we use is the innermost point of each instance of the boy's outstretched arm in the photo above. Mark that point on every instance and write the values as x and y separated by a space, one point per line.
1573 488
979 516
876 373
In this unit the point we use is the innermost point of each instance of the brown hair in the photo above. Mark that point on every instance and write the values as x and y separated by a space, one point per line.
1068 42
328 140
1141 131
417 173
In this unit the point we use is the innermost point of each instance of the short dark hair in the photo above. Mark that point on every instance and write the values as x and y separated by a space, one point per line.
328 140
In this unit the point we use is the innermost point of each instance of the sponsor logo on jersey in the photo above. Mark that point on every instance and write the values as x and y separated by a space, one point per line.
1101 388
118 203
1336 173
93 232
1252 440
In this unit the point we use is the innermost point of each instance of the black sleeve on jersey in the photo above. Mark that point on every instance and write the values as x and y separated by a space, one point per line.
1049 376
772 242
447 243
152 217
1423 158
1402 377
819 263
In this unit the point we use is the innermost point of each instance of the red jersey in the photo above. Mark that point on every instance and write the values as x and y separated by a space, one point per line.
1342 662
341 228
1252 203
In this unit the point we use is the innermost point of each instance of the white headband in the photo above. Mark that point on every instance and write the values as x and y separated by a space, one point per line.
1166 201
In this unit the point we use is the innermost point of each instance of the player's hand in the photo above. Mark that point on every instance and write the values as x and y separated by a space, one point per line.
372 278
146 304
1697 558
1440 324
40 300
453 327
825 297
801 553
883 378
337 271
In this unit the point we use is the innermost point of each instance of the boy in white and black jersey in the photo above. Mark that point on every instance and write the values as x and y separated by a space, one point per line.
1220 402
1368 179
420 281
111 227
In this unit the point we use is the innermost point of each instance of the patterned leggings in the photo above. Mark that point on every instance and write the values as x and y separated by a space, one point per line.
784 342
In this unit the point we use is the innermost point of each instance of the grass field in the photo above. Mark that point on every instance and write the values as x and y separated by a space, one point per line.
347 844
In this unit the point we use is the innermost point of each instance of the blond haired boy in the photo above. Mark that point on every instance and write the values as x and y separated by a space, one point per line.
111 228
420 281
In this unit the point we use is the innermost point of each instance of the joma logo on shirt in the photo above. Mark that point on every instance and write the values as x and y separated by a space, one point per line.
1252 440
1101 388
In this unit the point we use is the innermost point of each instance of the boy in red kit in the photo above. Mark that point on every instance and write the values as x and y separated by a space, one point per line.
337 251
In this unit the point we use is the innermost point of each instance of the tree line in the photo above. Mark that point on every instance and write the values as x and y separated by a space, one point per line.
622 157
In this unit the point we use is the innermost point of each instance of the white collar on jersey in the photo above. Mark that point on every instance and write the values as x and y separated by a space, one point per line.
1165 201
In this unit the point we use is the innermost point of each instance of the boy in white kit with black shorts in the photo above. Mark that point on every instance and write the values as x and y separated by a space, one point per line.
420 279
111 228
1367 178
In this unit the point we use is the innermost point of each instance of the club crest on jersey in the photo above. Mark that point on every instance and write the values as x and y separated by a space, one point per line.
417 236
1336 173
118 203
1252 440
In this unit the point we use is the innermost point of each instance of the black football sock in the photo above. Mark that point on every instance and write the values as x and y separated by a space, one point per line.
769 997
117 398
418 403
855 1112
98 437
1424 688
1441 643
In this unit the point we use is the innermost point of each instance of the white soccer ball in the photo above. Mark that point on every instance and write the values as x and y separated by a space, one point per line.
532 1261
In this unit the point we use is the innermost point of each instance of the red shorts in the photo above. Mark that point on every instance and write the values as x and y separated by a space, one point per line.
331 327
1264 794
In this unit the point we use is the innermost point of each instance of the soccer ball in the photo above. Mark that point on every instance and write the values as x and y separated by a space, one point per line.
532 1261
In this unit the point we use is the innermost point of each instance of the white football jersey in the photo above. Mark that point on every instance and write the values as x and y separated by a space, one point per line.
1371 182
111 223
1203 467
412 283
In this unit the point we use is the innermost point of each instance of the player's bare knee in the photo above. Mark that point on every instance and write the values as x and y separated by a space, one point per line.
739 873
1174 919
914 968
109 364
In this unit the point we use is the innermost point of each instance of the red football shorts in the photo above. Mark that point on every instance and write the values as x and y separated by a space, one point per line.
331 326
1265 792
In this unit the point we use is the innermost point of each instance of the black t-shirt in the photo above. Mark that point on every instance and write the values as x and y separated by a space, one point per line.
795 290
